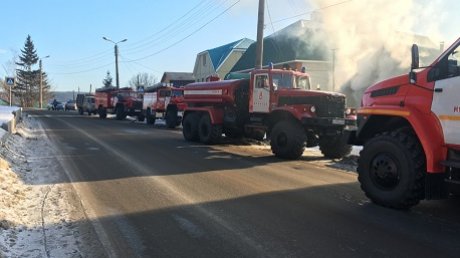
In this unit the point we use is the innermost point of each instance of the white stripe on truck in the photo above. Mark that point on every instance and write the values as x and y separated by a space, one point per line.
203 92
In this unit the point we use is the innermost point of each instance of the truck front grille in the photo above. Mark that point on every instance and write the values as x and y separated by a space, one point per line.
326 106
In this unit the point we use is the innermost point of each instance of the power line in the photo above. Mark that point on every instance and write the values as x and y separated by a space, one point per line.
85 71
321 8
182 26
270 16
193 16
189 35
138 63
87 59
168 26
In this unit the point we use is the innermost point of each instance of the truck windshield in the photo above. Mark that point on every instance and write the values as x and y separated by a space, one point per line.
282 80
290 81
177 93
127 94
302 82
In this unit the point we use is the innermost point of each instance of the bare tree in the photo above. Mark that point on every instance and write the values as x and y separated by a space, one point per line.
142 79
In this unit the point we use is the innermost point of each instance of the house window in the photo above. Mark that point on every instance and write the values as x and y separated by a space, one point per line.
203 57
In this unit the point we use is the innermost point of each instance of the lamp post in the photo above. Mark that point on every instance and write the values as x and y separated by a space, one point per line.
117 78
41 81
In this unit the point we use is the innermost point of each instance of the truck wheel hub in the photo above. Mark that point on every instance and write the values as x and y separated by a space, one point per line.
384 172
282 140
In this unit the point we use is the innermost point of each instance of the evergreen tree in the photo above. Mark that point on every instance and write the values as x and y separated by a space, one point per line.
107 82
27 79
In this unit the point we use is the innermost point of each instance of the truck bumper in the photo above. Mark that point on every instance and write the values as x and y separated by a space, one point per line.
329 122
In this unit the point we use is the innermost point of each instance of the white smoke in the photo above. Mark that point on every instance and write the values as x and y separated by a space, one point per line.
372 38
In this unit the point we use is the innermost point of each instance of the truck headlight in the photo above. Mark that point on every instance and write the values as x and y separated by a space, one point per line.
313 109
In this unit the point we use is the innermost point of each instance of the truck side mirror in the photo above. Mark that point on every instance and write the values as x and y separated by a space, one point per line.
415 57
412 77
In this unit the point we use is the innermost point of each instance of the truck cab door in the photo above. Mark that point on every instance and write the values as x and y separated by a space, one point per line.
446 104
168 98
260 99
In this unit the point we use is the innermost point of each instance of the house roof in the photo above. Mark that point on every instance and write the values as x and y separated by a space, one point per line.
177 76
291 43
219 54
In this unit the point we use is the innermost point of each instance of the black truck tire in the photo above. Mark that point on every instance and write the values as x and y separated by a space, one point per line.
102 113
150 117
140 117
171 118
80 111
334 147
391 170
209 133
120 113
287 139
190 127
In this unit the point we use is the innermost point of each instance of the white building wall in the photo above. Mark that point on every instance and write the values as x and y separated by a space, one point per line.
320 74
203 67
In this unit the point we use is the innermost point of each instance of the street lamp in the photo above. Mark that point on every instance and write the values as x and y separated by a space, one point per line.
117 78
41 81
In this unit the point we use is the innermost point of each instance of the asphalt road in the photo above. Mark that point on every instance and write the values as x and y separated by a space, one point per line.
149 193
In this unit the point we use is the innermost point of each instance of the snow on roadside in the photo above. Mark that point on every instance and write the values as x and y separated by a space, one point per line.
39 216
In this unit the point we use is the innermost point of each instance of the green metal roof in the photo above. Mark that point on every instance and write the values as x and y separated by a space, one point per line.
295 42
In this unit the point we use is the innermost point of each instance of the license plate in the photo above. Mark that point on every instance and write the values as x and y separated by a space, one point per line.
338 121
137 110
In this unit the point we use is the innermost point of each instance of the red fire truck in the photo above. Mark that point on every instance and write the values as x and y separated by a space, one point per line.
410 129
275 102
164 102
121 102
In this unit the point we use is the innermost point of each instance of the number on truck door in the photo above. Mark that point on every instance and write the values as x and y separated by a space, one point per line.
261 94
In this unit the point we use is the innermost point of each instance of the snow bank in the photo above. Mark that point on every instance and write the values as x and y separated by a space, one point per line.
6 115
38 217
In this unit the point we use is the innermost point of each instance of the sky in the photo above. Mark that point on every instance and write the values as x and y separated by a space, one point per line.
161 35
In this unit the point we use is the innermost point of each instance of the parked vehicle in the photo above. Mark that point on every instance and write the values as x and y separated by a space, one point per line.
86 103
164 102
70 105
55 105
121 102
59 106
409 127
275 102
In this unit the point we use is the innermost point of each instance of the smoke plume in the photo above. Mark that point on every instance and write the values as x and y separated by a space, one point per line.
372 38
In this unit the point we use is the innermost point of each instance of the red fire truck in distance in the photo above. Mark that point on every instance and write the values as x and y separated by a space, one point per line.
164 102
121 102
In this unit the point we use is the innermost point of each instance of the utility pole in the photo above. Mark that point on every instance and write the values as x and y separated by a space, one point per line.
117 77
11 96
333 68
260 35
40 101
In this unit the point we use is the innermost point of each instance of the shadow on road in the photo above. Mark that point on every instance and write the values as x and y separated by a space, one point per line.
319 221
